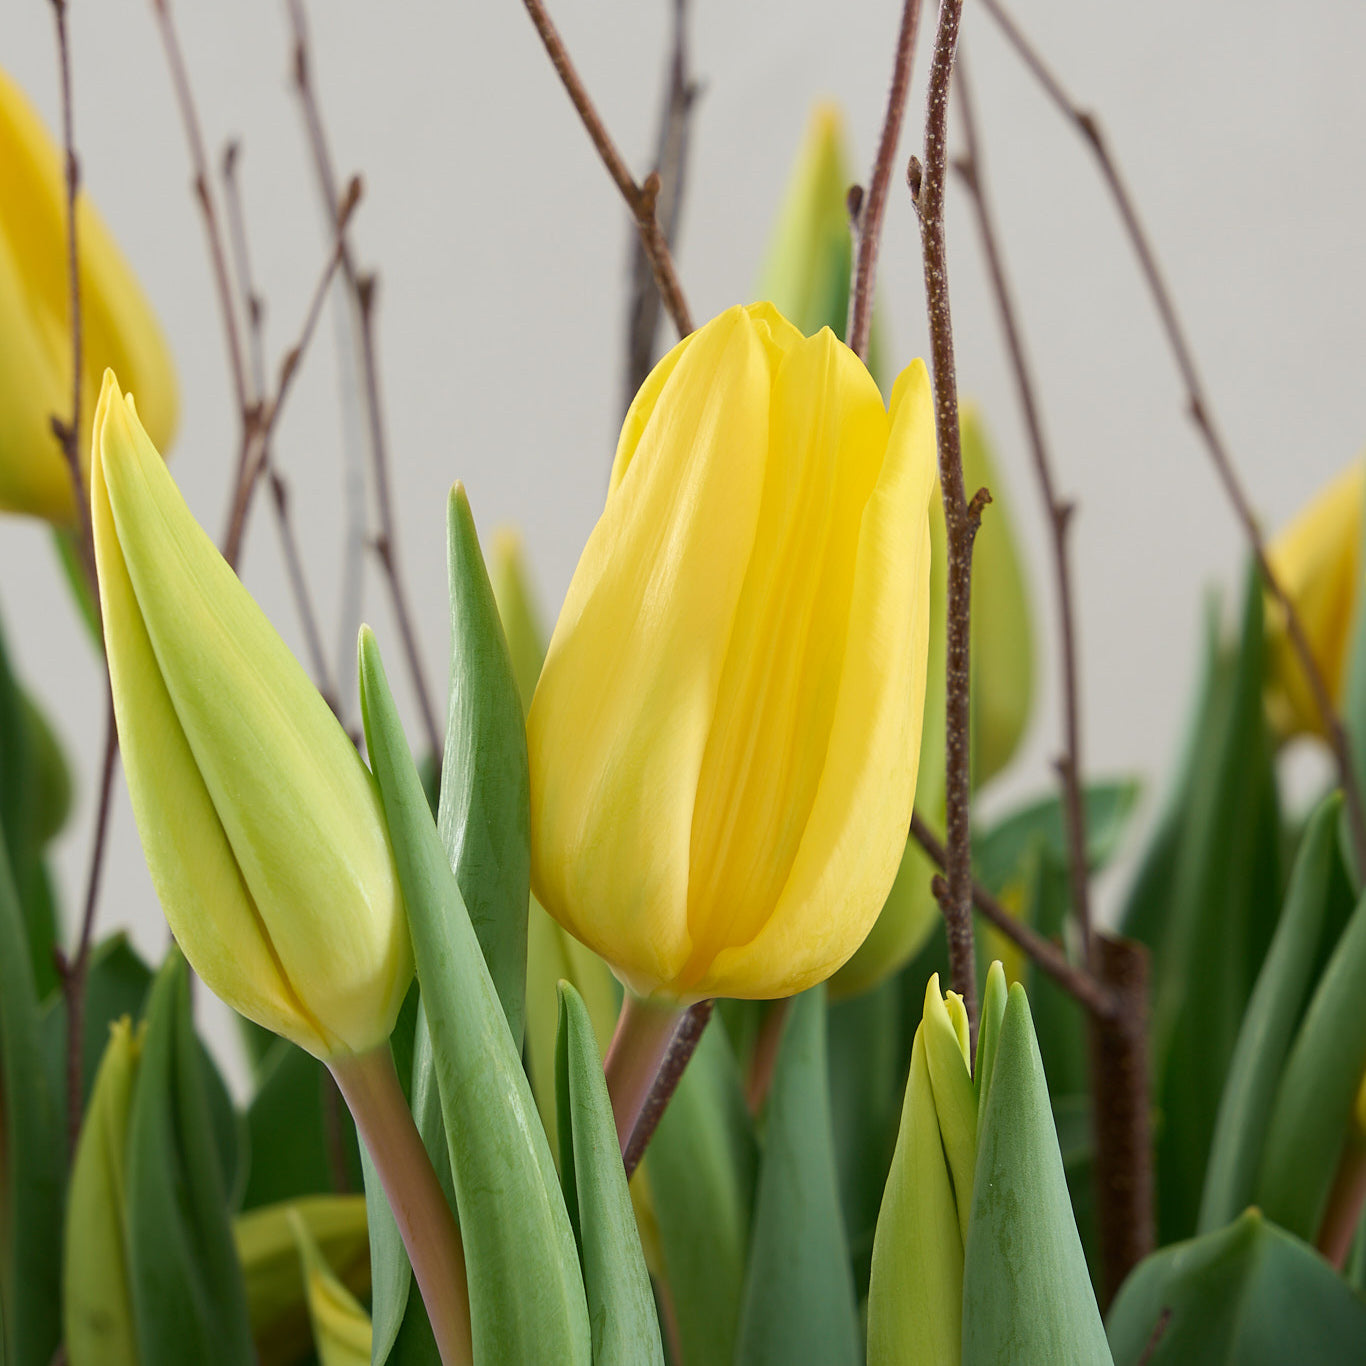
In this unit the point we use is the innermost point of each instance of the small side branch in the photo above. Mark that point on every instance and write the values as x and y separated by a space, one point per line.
642 199
1199 407
927 189
867 221
1043 953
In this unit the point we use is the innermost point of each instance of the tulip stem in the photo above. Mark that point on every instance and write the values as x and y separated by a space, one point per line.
645 1060
1345 1203
369 1084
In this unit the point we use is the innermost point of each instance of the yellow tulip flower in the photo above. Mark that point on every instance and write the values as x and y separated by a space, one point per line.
118 327
262 828
1317 560
725 735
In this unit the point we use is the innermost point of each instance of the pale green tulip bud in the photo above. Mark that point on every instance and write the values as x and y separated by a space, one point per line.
262 828
97 1306
955 1098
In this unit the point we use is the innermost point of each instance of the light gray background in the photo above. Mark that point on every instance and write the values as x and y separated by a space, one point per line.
500 245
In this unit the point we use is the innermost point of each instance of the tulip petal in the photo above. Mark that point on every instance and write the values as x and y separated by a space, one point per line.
854 835
614 766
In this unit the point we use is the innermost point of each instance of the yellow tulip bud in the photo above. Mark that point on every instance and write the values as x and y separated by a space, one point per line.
725 736
118 327
262 828
1317 560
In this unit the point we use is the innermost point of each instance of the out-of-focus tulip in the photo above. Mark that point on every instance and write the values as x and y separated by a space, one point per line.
262 828
724 738
810 254
118 327
1317 560
97 1306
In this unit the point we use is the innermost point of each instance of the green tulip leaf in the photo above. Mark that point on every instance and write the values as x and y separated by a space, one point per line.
621 1305
32 1153
702 1163
1269 1025
1247 1295
1227 894
1313 1105
97 1305
485 818
1027 1294
186 1282
302 1138
799 1300
865 1063
526 1293
1001 853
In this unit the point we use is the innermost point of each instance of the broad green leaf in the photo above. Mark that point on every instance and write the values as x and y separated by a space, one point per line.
1247 1295
799 1300
485 818
702 1168
1147 907
1313 1106
866 1063
188 1294
916 1292
993 1016
621 1306
1269 1025
526 1294
32 1154
274 1280
1227 895
97 1305
1000 854
341 1327
1027 1294
302 1138
553 956
1352 705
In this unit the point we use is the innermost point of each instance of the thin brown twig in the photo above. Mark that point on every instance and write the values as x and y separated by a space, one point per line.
363 289
385 543
253 306
1059 511
189 116
961 517
257 454
1200 409
1123 1157
867 221
303 601
68 434
1072 978
671 152
74 971
642 199
681 1048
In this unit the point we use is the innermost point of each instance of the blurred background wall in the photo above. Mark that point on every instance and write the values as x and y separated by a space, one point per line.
501 247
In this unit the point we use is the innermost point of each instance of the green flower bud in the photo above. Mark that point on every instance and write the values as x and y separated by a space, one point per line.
261 826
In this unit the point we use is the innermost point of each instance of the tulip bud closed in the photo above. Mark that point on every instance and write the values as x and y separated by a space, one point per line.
118 327
725 736
261 826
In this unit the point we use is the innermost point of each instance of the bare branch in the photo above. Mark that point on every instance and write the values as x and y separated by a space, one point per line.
868 208
1199 407
640 199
